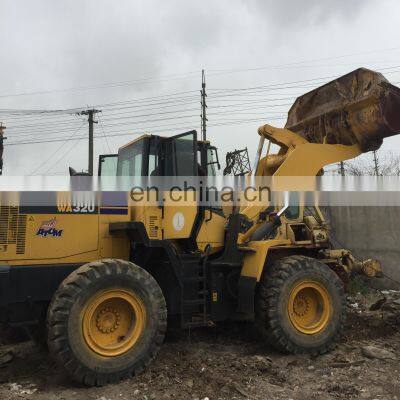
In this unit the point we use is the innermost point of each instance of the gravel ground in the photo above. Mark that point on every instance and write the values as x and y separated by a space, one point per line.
230 362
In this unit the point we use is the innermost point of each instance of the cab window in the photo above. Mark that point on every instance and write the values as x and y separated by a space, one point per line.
212 161
108 164
154 159
130 159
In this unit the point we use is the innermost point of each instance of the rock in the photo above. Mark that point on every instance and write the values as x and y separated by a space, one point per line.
6 357
15 387
340 358
378 353
21 391
263 364
311 367
242 391
378 305
292 363
236 364
189 382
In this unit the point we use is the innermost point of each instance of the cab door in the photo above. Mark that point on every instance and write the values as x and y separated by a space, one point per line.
180 207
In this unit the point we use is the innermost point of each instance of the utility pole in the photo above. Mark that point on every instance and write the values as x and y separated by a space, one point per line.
2 138
376 165
203 106
90 113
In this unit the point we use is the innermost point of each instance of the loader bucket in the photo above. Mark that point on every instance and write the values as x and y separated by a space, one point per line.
361 107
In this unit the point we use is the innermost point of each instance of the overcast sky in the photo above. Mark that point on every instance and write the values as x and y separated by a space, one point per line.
66 54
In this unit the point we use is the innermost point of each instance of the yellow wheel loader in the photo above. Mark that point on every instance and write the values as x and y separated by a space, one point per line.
101 279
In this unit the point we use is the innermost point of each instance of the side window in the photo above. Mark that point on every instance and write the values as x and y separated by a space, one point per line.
154 159
137 164
211 161
108 165
124 168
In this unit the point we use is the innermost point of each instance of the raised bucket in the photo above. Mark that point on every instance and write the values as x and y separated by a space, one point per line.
360 107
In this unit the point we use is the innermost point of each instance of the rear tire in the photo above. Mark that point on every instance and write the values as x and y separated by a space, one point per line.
301 306
106 321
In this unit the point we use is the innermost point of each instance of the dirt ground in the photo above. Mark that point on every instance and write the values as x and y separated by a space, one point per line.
230 362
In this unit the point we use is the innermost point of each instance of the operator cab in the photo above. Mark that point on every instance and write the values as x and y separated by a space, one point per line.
149 155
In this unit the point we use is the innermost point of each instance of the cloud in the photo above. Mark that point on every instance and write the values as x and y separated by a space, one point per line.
50 44
290 14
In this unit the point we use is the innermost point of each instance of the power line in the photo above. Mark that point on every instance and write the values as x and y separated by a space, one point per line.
104 134
54 153
189 75
305 61
113 115
13 111
127 122
99 86
125 113
220 94
120 134
63 156
292 82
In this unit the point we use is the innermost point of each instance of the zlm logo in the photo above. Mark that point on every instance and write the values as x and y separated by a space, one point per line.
48 228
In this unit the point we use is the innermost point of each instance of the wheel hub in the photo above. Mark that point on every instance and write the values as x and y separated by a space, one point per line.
300 305
309 307
107 320
113 321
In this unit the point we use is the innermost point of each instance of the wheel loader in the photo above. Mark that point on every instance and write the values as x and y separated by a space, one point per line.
99 281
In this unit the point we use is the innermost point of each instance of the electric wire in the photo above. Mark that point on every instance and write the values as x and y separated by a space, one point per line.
48 123
63 155
189 75
54 153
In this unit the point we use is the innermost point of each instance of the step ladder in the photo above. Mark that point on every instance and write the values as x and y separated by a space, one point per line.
194 291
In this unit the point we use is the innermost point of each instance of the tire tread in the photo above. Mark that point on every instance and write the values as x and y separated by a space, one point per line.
64 298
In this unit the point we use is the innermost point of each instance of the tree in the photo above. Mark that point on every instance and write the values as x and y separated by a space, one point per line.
388 165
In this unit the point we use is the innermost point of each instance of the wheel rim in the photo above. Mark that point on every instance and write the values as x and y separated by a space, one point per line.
309 307
113 322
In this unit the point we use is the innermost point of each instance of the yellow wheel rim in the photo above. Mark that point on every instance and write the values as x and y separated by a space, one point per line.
309 307
113 322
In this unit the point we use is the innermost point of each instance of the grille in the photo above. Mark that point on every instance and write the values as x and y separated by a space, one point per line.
21 234
12 227
4 215
153 229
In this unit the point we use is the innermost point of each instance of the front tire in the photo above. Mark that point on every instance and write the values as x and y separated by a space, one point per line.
301 306
106 321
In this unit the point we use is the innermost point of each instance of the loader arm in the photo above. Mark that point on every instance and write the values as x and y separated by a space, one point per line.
296 157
